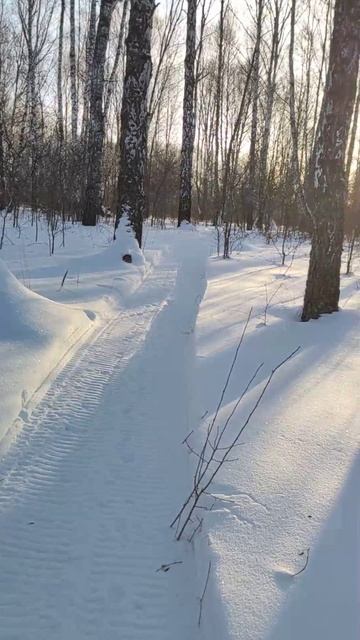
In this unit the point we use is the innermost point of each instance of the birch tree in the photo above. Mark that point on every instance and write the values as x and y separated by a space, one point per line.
188 128
329 181
218 107
35 19
277 30
117 58
96 125
4 198
252 190
60 76
350 152
134 116
89 56
73 83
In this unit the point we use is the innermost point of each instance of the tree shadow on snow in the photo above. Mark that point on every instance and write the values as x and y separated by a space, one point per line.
324 600
320 341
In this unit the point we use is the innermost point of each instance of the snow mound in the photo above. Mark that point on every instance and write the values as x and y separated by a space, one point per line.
187 226
126 244
34 335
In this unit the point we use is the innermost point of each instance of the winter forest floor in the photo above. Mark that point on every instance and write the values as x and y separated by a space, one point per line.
95 406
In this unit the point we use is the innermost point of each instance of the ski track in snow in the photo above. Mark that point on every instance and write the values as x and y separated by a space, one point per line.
89 487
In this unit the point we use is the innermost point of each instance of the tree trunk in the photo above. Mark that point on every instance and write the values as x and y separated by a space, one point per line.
270 95
96 125
252 194
60 113
119 50
73 87
299 192
218 114
32 97
134 116
316 121
329 183
350 153
89 55
188 131
4 201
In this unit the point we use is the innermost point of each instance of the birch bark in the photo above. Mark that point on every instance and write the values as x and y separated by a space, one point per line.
329 180
135 116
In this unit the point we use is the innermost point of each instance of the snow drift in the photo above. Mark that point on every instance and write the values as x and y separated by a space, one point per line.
34 334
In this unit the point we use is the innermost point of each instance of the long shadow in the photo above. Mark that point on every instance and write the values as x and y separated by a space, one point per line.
325 346
319 340
323 602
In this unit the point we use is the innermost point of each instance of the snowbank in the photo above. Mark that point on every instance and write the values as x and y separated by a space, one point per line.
43 318
34 334
283 533
187 226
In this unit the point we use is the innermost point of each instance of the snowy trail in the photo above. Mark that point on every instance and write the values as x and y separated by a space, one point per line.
89 487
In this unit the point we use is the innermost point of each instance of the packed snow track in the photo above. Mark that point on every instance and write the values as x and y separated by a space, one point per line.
89 486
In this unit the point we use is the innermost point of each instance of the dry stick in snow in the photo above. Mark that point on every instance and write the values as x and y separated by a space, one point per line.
166 567
268 299
203 594
196 529
305 565
210 468
212 424
64 278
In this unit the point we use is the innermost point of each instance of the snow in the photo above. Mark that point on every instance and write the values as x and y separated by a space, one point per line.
295 484
55 302
94 468
90 485
35 334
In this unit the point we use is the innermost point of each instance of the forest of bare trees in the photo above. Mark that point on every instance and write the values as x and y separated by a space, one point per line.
179 319
215 111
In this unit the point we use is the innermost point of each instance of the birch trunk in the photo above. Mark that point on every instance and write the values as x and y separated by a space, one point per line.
89 55
29 27
4 201
270 95
119 50
252 198
134 116
295 164
218 114
96 125
188 130
350 153
329 181
73 85
59 75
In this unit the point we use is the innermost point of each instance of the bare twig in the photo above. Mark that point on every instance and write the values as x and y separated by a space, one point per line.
166 567
187 437
208 468
203 594
305 565
64 278
199 469
197 528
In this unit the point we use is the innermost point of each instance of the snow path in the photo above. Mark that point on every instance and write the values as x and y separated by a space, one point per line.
90 486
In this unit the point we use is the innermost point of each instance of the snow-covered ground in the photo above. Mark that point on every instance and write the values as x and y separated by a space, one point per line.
293 492
89 487
35 333
94 468
58 301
